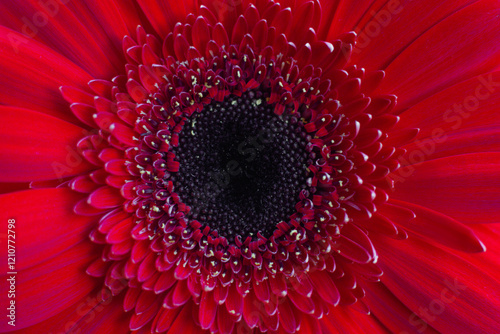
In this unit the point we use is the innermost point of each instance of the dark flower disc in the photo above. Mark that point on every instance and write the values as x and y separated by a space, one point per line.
241 167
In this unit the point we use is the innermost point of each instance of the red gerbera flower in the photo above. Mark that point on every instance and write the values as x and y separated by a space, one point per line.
243 166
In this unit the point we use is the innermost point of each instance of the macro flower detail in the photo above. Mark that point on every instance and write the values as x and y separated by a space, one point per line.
244 167
185 115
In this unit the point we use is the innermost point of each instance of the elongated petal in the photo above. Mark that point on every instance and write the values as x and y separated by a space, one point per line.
441 229
33 74
467 105
470 192
382 26
391 312
56 24
41 149
446 291
478 51
45 222
164 15
344 320
52 286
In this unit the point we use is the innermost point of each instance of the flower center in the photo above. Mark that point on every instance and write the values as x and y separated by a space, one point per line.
241 166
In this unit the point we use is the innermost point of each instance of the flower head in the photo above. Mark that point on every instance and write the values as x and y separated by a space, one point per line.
246 169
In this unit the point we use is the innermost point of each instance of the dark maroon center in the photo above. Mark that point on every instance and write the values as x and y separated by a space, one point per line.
242 167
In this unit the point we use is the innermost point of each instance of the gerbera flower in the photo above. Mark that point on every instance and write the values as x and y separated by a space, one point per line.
243 166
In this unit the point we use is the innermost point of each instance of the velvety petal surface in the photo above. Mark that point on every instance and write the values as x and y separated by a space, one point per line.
440 60
45 222
467 105
449 293
90 315
42 149
62 25
347 320
465 187
380 39
52 286
32 74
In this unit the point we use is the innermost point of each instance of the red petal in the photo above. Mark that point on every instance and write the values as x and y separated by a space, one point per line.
120 232
138 321
208 310
459 105
34 74
287 317
84 113
304 304
29 153
181 294
383 26
346 320
220 293
131 298
111 219
164 15
353 251
392 312
325 287
165 281
444 290
219 35
147 267
48 288
100 55
201 34
123 133
464 187
261 290
83 184
105 198
43 225
165 318
474 26
88 315
224 321
441 228
85 209
145 301
226 11
183 322
278 285
342 16
234 302
117 167
488 261
183 271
